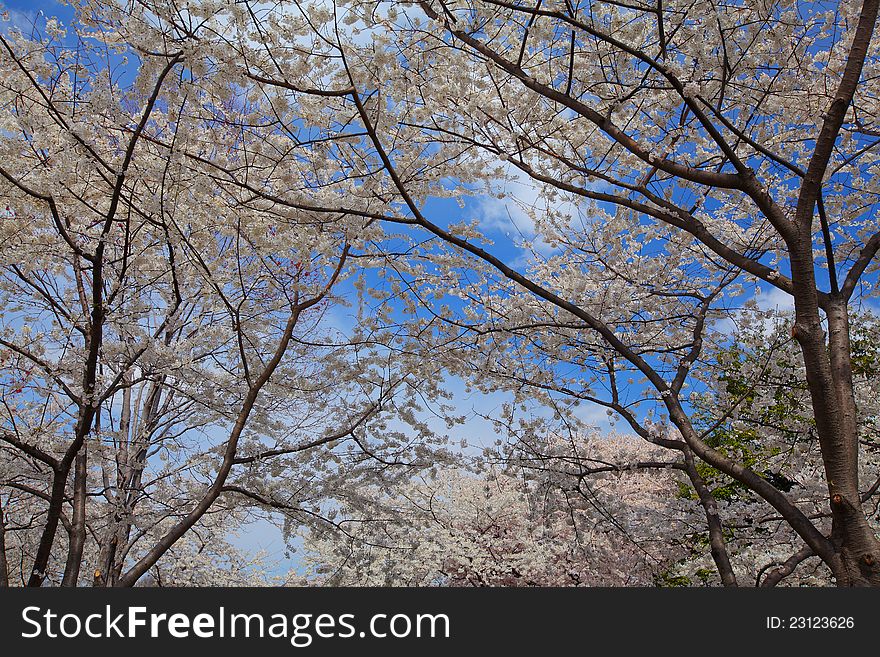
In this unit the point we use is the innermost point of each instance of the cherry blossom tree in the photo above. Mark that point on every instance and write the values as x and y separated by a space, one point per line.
678 149
168 362
695 163
499 526
757 406
673 169
678 156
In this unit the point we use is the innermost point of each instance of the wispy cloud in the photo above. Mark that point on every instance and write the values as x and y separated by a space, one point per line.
775 299
24 21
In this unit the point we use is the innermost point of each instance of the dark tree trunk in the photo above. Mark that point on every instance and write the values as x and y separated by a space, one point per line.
4 567
78 524
830 382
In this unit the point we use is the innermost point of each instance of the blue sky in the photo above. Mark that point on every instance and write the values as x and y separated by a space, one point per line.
24 14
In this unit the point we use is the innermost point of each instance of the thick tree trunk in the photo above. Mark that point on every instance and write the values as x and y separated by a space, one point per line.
858 544
60 474
47 538
829 379
78 523
106 554
4 567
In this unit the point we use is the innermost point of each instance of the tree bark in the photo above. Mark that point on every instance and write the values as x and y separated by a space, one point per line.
829 379
717 545
78 522
4 566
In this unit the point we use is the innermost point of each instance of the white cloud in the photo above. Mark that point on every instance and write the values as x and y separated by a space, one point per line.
516 200
22 20
509 214
775 299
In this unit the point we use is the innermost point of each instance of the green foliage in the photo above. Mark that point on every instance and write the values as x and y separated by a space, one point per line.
686 492
667 580
757 380
865 348
705 574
